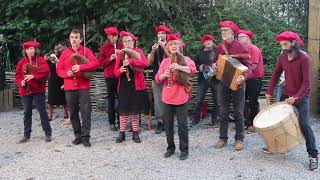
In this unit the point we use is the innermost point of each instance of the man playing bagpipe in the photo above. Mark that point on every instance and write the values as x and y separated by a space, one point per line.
75 66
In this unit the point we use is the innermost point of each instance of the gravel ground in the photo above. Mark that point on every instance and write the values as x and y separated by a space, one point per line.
108 160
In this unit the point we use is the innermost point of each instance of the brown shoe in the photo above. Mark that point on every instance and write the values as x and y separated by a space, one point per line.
239 145
220 144
250 130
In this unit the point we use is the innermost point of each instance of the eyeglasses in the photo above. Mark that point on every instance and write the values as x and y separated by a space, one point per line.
225 30
127 41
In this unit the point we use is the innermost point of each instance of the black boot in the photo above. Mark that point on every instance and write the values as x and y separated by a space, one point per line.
77 141
47 138
113 127
86 142
135 137
121 137
24 139
183 156
159 128
194 123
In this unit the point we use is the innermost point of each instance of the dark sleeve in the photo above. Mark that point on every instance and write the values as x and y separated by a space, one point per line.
197 60
306 79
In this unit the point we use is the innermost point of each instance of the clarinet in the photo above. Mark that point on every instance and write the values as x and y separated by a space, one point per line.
127 72
173 60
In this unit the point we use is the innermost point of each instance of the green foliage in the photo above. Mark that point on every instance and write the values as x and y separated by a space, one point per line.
51 21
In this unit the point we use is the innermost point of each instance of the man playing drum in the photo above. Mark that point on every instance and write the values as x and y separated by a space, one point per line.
296 65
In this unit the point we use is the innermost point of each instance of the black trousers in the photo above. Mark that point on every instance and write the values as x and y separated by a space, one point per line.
79 100
225 96
182 116
40 102
203 86
253 88
112 85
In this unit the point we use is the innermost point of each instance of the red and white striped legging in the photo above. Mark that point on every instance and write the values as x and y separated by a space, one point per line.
134 118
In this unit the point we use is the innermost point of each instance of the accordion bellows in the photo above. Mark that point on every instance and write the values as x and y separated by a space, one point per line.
78 59
229 69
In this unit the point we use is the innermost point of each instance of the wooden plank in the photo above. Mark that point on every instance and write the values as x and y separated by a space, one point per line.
313 48
5 100
10 98
2 101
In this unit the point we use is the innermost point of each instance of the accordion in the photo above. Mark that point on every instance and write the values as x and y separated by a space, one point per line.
229 69
78 59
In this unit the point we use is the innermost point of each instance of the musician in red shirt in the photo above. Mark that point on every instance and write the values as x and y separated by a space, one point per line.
32 86
106 58
77 86
174 95
129 68
233 48
296 65
254 84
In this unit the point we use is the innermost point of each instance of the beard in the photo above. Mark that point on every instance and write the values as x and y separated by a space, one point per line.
288 51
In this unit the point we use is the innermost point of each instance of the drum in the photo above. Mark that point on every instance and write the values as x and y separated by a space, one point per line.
278 125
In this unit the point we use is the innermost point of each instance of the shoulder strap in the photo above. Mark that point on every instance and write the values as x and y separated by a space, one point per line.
224 47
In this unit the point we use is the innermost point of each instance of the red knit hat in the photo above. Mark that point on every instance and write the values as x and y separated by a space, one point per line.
289 36
125 33
207 37
163 28
176 36
30 44
248 33
229 24
111 30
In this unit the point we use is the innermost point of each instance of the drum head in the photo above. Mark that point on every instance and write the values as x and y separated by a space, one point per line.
273 115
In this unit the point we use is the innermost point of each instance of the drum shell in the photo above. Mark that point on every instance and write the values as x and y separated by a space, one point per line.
282 136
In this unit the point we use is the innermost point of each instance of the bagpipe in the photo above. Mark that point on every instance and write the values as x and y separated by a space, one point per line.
30 68
182 77
79 59
127 54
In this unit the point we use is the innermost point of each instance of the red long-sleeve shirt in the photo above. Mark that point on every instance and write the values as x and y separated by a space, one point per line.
34 86
64 65
297 75
105 53
257 60
176 94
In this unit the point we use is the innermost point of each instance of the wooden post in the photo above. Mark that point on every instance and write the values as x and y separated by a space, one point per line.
313 48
